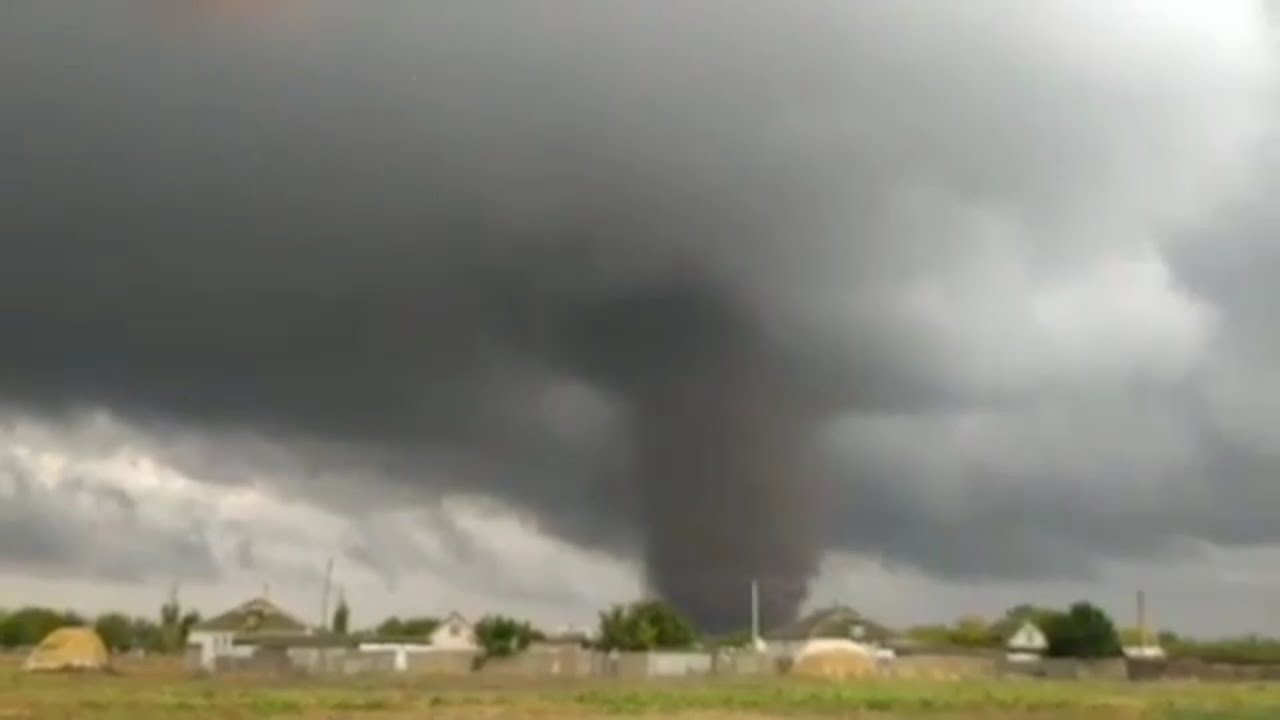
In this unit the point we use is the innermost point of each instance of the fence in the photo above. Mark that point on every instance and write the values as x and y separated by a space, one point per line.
575 662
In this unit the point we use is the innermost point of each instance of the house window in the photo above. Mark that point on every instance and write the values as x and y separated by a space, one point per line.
454 630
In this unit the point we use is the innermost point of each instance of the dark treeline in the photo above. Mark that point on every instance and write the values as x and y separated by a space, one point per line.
25 627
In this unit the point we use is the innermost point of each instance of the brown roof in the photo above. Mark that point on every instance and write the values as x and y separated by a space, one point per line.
258 615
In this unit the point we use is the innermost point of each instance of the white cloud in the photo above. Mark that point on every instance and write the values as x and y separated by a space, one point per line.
414 561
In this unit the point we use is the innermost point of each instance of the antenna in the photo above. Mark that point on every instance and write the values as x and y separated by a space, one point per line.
755 613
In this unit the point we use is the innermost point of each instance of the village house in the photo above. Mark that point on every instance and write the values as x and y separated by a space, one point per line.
238 632
261 635
1026 644
839 622
454 633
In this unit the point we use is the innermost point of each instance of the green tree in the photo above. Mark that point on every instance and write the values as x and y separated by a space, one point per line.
147 635
171 624
646 625
29 625
420 626
501 636
189 620
1084 631
116 631
931 635
170 613
1015 616
410 627
973 632
391 627
341 617
736 639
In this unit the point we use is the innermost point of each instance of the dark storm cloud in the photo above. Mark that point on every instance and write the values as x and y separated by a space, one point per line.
616 265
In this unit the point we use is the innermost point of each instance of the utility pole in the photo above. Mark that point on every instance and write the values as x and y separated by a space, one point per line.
1142 619
755 613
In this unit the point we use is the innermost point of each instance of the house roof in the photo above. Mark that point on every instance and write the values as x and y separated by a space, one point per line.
452 622
258 615
453 618
1028 636
840 621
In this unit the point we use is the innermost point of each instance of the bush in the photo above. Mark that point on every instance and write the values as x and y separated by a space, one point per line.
501 636
1084 631
1234 651
647 625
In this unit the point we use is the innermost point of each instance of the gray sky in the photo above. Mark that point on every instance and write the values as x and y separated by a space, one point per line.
459 292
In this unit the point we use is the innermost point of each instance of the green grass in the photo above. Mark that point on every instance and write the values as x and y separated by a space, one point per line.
139 697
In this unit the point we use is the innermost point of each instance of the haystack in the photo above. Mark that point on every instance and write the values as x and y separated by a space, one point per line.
69 648
834 660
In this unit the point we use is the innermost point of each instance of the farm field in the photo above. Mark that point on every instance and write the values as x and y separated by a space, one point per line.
141 695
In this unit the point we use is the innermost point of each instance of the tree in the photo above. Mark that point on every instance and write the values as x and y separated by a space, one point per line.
391 627
647 625
973 632
147 634
501 636
1015 616
410 627
735 639
931 635
969 631
116 631
1084 631
29 625
171 635
188 621
341 616
170 613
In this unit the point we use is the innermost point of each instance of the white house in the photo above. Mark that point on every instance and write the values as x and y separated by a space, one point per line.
218 636
454 633
1027 644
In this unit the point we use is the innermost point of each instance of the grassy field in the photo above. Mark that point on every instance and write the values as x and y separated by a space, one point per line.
152 696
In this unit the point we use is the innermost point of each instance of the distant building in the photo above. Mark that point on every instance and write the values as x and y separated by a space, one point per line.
1027 643
839 622
454 633
240 630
